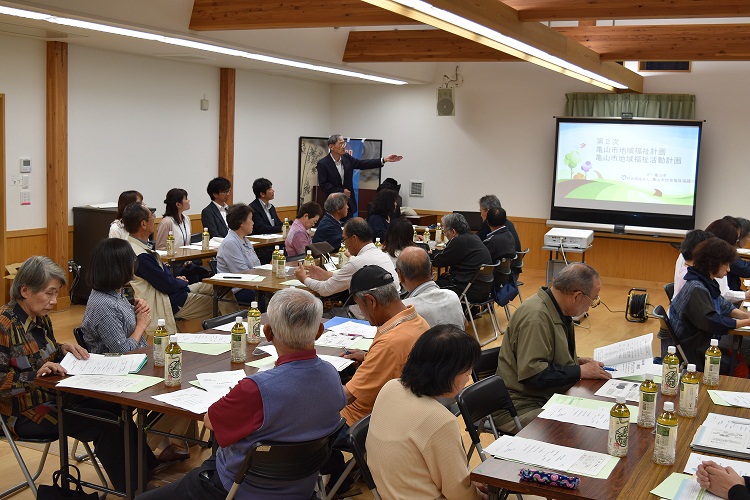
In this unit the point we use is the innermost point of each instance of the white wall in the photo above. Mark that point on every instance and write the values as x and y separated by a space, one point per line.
272 113
22 80
135 123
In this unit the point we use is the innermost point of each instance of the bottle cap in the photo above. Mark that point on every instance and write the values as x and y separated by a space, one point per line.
161 322
668 406
377 239
276 247
691 367
281 253
714 342
254 304
205 229
238 319
171 233
286 219
671 349
309 252
620 400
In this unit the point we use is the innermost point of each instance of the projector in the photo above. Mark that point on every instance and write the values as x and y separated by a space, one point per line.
568 238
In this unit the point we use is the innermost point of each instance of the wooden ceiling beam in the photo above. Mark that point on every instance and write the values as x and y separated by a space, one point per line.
691 42
573 10
499 17
215 15
417 46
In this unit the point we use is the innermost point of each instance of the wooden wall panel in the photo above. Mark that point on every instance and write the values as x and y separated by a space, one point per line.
226 124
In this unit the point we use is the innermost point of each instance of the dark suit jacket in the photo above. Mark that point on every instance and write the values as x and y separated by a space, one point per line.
501 246
484 230
212 219
329 179
330 230
260 221
464 254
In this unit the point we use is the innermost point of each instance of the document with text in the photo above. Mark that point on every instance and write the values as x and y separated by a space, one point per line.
191 399
629 357
101 364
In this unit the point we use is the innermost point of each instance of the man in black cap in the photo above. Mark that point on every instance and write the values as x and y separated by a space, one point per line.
399 327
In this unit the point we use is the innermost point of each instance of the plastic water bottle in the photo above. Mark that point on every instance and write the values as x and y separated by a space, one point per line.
670 377
275 259
377 243
171 249
309 260
647 402
253 323
173 363
416 235
281 265
689 387
161 339
343 259
285 227
665 445
713 364
619 426
205 240
238 341
438 233
426 236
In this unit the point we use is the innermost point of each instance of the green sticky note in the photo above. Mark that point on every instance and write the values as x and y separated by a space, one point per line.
145 381
211 349
668 488
716 397
362 344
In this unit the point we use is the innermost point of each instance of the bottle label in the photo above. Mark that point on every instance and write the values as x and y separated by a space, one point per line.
670 376
666 439
689 397
647 408
618 434
173 369
159 346
254 327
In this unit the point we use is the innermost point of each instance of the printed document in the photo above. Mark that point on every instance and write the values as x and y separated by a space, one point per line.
99 364
203 338
337 362
355 328
629 357
335 339
613 388
191 399
695 459
104 383
220 382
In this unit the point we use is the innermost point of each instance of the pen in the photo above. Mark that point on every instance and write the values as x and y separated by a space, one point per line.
609 368
232 277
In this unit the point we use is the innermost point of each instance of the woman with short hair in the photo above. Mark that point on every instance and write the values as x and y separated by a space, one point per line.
400 234
28 349
414 445
110 323
236 254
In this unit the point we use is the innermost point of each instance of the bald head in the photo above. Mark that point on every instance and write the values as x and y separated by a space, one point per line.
413 267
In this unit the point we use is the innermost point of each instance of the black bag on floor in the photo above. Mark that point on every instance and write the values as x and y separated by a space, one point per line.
55 491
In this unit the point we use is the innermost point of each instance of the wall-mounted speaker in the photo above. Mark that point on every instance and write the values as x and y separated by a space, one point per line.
445 102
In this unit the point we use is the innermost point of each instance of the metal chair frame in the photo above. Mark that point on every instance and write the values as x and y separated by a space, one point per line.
486 274
356 436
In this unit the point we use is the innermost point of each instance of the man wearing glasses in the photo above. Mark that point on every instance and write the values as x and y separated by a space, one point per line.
336 170
214 216
539 357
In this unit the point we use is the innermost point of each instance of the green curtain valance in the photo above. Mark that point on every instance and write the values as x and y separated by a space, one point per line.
602 105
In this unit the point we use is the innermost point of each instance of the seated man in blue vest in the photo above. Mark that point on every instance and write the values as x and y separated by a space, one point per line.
297 400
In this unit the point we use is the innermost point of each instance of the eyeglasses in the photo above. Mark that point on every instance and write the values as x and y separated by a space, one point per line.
594 302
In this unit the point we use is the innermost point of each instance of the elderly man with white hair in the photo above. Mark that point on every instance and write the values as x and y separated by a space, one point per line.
299 399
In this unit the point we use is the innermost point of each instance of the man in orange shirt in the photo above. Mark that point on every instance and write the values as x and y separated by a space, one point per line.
399 327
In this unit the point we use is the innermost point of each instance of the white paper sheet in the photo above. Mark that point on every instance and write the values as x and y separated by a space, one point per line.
741 399
220 382
737 441
628 350
613 388
99 364
331 338
230 277
268 349
198 246
354 328
191 399
265 236
108 204
691 490
203 338
727 422
227 327
548 455
640 367
104 383
162 253
293 283
695 459
589 417
337 362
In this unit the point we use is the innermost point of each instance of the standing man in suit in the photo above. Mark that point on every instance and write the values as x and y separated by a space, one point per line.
214 216
336 171
265 220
